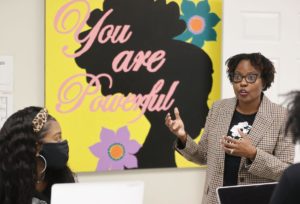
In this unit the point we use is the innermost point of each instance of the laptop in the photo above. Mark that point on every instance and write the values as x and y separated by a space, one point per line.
246 194
131 192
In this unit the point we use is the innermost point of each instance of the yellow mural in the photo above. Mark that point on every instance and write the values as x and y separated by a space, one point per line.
75 97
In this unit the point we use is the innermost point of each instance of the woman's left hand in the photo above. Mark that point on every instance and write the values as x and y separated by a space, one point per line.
242 147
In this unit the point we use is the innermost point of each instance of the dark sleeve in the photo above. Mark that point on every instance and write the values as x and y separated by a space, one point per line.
280 193
287 190
179 144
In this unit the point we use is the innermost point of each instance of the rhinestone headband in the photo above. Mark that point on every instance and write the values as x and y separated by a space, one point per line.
40 120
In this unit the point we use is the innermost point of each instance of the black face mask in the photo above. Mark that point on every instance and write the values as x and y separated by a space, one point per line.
56 154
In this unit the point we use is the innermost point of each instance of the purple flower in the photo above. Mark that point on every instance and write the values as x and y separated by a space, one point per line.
115 150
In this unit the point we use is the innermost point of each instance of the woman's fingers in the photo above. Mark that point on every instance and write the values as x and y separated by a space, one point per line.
176 112
230 139
228 142
171 124
175 126
168 116
168 120
228 150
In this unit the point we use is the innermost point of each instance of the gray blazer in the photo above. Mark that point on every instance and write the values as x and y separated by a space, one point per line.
275 152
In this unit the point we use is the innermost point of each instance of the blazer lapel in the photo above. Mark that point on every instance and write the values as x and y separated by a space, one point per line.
263 120
225 120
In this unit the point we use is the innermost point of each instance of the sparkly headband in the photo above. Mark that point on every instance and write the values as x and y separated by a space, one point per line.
40 120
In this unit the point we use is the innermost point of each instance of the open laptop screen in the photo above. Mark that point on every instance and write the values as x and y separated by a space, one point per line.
246 194
98 193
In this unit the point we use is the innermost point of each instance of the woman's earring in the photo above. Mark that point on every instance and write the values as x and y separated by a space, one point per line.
45 162
42 173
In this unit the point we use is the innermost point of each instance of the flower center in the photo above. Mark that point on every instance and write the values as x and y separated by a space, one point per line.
116 151
196 24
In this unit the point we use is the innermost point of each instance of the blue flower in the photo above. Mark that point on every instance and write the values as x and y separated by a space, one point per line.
199 21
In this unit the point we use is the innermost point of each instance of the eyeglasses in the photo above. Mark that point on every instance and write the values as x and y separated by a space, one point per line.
250 78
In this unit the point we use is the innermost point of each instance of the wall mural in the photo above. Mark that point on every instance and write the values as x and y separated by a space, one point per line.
114 68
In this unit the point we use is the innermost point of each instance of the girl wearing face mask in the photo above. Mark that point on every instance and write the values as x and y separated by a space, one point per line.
33 157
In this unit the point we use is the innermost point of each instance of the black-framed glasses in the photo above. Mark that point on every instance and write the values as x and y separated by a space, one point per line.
250 78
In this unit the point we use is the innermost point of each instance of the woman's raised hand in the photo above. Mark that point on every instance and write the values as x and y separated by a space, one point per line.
176 126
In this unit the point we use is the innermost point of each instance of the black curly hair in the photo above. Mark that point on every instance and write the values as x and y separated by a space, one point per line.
18 149
258 61
293 121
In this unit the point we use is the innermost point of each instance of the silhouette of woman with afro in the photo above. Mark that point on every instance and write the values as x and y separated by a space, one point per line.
154 25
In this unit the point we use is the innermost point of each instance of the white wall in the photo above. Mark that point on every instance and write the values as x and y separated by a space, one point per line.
162 186
22 36
271 27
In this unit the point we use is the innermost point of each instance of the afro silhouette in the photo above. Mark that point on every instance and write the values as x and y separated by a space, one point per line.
154 24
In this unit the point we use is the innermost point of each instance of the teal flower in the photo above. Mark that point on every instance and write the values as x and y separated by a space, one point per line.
199 21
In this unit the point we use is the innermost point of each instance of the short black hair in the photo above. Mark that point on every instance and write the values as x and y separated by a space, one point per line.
258 61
